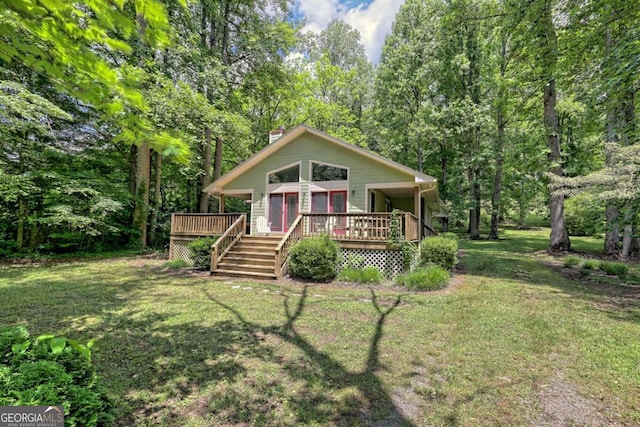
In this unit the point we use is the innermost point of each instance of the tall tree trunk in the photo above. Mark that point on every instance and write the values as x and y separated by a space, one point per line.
205 178
141 212
628 232
133 150
497 180
612 233
22 215
444 221
217 166
153 223
559 238
499 148
474 214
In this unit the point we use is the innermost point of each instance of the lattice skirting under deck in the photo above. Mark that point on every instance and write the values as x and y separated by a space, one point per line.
387 260
179 249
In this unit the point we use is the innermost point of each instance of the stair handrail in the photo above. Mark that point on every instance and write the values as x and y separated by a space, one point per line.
227 239
282 250
427 231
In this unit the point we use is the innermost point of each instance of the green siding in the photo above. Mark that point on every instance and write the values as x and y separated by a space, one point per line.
362 171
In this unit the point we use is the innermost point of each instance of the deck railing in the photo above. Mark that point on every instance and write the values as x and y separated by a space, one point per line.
360 226
227 240
188 224
295 233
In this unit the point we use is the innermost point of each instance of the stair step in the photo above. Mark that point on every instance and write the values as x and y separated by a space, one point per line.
252 254
253 257
245 267
262 238
243 274
252 260
251 246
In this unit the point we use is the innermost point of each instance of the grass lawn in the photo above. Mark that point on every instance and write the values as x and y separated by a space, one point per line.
512 341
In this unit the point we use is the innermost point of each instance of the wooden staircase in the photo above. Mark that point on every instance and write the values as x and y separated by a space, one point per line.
253 257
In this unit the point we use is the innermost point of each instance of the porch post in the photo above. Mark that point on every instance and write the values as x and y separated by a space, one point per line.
416 210
221 207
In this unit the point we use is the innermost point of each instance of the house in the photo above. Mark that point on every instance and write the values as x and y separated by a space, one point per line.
313 182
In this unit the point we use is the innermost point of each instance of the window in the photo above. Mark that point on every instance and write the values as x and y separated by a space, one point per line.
290 174
321 172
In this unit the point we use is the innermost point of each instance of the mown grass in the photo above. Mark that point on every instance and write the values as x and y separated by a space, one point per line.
178 349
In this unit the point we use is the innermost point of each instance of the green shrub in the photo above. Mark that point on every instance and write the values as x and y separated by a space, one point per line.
424 279
52 371
615 268
363 275
571 261
314 258
201 252
449 235
591 264
439 251
176 263
585 272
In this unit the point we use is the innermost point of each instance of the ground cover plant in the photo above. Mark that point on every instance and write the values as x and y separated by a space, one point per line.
361 275
426 278
51 370
520 343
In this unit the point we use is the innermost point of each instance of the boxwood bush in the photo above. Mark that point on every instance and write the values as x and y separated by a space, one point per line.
424 278
314 258
440 251
201 252
449 235
51 370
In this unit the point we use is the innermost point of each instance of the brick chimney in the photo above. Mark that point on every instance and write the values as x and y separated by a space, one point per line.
274 135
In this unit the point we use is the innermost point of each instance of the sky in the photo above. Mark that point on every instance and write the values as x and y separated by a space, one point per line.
373 18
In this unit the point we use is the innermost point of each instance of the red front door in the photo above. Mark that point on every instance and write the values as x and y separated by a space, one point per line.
283 210
290 209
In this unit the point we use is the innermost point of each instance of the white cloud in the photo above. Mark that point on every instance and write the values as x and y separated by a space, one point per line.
373 20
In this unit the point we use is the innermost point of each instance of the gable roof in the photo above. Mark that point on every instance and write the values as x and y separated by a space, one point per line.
294 133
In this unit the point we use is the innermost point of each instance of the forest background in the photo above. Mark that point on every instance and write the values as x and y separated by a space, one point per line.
115 114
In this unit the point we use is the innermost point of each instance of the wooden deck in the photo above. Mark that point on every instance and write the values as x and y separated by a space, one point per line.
349 230
186 227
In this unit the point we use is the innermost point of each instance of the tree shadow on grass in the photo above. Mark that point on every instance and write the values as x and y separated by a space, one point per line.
371 405
163 367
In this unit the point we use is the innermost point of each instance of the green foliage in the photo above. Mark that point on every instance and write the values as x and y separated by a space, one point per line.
584 215
397 241
440 251
314 258
591 264
571 261
427 278
615 268
450 235
52 370
176 264
361 275
201 252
